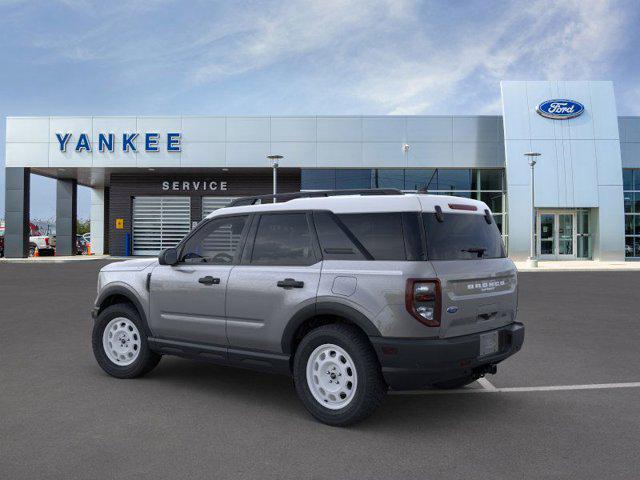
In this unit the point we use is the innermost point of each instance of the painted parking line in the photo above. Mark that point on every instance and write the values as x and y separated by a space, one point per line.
485 384
487 387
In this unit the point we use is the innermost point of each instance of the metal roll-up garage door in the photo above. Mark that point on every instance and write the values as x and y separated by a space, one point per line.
209 204
159 223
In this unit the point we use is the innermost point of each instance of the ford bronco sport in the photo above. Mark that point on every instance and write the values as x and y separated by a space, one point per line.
351 293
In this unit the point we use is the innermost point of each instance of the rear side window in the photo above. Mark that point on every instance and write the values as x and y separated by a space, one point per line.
334 239
462 236
283 239
380 233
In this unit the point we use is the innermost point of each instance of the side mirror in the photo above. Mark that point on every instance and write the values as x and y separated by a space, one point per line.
169 256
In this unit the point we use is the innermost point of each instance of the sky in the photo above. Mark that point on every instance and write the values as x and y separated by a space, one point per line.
147 57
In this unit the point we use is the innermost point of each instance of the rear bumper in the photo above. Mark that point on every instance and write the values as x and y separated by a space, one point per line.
409 363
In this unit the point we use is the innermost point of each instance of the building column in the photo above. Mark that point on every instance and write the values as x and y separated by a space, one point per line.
17 190
97 221
66 217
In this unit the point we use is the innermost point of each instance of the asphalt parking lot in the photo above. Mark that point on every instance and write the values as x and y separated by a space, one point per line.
62 417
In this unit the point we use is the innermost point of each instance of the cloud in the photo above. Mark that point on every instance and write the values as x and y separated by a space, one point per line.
389 56
539 40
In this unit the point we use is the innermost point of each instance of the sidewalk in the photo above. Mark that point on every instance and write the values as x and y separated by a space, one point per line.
578 266
54 259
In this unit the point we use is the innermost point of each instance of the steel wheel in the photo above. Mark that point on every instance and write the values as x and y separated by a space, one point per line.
121 341
331 376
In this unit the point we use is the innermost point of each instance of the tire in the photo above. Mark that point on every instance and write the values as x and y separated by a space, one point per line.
455 383
128 343
351 350
32 249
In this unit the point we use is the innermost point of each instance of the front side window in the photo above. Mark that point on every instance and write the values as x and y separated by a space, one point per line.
462 236
216 242
283 239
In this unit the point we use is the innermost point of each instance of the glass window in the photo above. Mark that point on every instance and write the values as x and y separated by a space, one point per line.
498 220
627 179
417 179
215 242
628 202
380 233
629 224
490 180
493 201
353 179
629 247
317 179
283 239
334 241
388 178
454 179
462 237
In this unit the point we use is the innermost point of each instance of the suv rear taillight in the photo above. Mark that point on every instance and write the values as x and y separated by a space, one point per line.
46 241
422 299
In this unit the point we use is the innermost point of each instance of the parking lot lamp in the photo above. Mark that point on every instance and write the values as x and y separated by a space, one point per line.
532 261
274 163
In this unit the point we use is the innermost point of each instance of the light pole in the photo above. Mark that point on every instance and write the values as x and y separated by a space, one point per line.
532 261
274 163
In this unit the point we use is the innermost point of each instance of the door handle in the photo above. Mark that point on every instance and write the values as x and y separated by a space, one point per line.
209 280
290 283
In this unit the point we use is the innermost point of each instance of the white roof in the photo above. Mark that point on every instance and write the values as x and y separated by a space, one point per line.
363 204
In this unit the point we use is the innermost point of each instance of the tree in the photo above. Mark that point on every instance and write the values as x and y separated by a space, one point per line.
84 226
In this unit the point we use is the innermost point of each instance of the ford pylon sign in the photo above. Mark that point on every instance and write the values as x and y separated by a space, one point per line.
560 109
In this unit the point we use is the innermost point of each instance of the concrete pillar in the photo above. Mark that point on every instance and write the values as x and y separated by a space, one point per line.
66 217
97 221
17 189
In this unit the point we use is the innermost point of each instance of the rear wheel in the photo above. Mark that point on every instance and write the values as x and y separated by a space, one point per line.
120 344
337 375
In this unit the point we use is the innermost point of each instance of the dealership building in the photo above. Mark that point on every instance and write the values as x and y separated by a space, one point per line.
153 178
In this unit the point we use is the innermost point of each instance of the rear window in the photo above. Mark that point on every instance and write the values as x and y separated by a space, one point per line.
462 236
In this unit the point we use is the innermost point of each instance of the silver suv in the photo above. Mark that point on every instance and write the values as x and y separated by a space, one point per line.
349 292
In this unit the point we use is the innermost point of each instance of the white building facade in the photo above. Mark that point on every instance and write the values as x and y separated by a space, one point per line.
153 178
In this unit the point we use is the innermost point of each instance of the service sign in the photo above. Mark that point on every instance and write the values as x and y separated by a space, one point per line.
149 141
560 109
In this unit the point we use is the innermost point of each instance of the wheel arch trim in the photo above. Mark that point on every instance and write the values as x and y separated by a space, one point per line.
326 308
121 290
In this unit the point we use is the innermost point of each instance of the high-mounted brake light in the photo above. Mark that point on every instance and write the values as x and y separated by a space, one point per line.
422 299
462 206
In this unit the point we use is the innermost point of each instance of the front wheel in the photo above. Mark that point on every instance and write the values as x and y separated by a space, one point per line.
120 344
337 375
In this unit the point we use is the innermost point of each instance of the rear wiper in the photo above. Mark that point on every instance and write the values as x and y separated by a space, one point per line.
479 250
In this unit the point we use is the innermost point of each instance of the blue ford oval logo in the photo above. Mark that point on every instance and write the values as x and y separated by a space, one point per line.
560 109
452 309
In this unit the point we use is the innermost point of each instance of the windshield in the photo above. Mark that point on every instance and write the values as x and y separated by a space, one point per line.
462 236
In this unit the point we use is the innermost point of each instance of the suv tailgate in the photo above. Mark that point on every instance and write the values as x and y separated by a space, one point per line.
477 295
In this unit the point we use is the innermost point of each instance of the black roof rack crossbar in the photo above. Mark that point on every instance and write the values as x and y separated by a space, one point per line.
285 197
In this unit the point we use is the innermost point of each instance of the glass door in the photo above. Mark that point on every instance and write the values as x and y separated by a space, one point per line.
566 224
556 235
546 229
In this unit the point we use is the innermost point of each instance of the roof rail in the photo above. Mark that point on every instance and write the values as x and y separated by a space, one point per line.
285 197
